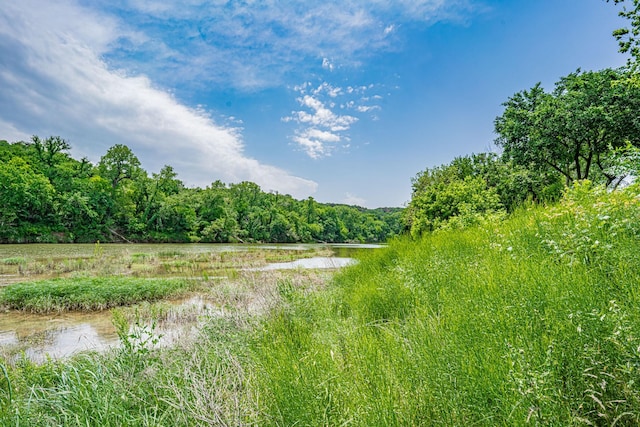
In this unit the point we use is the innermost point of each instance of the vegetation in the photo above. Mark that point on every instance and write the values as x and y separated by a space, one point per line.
471 188
628 37
88 294
532 319
573 130
587 128
47 196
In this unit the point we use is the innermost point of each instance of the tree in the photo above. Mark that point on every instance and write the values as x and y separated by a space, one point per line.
118 164
574 129
465 200
50 149
628 37
26 202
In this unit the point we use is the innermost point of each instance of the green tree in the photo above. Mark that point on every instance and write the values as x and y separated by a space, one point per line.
465 200
50 151
574 129
26 202
628 38
119 164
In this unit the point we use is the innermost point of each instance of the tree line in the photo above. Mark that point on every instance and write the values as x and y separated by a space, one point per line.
48 196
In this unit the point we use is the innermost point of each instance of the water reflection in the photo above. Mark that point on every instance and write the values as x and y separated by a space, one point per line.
315 262
57 336
64 342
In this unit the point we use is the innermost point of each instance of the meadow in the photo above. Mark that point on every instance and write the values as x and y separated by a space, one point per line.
529 320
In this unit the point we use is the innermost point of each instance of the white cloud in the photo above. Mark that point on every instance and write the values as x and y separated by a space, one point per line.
321 115
321 130
328 89
317 143
261 42
367 108
327 65
53 80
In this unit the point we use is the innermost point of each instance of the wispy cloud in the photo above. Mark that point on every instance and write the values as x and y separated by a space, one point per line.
53 80
327 114
99 72
259 43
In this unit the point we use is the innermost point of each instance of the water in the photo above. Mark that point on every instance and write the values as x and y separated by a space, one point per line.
57 336
315 262
64 334
85 250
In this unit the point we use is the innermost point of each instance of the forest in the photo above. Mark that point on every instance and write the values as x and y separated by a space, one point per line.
48 196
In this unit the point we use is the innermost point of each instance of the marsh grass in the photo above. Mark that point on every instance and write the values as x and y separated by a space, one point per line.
87 294
13 261
164 263
202 380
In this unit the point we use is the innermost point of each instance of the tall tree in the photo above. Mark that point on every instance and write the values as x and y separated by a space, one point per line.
118 164
574 129
26 201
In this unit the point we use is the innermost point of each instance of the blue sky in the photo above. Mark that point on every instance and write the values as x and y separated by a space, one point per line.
344 101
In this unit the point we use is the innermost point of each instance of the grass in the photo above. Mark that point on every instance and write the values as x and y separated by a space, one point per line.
531 321
87 294
494 325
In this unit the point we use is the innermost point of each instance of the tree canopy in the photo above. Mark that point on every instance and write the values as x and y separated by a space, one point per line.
574 129
46 196
628 37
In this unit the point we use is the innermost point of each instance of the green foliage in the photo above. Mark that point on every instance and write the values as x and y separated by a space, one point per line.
48 196
572 131
472 188
119 164
26 201
628 37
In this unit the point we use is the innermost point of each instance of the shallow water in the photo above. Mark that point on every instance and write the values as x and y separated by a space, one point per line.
38 337
79 250
315 262
56 336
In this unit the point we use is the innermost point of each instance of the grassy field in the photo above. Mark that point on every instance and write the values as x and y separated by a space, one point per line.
534 320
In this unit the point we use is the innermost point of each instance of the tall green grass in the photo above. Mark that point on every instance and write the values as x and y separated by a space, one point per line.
535 320
97 293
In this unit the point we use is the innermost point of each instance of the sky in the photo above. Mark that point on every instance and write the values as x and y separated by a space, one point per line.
341 100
